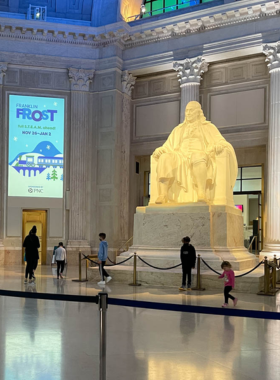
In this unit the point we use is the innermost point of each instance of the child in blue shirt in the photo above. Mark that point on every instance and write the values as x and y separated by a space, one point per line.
102 257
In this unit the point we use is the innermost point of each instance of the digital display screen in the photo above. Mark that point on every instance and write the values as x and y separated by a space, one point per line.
240 207
36 146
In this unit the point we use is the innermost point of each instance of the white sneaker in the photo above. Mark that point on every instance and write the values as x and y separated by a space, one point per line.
108 279
101 283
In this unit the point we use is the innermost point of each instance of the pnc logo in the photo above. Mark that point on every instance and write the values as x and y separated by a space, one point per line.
26 113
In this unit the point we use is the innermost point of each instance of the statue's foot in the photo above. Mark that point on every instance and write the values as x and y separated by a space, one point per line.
201 197
161 199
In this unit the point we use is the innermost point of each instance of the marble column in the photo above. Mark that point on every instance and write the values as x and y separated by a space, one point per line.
190 74
3 69
272 238
79 152
128 82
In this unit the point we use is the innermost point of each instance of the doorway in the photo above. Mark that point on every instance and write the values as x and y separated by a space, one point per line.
36 218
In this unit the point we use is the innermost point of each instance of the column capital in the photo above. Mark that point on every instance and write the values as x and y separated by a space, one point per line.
80 79
272 52
191 70
3 69
128 82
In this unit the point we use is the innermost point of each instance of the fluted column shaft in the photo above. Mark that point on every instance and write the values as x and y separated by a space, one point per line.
79 156
190 74
272 242
79 153
189 92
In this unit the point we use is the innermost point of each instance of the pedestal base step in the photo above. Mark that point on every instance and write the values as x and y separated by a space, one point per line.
252 283
167 262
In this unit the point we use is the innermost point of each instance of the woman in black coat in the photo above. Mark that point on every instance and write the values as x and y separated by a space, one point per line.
31 244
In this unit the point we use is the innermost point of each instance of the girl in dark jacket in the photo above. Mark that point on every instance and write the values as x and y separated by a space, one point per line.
31 244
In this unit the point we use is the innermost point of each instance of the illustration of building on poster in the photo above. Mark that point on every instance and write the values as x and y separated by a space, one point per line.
36 145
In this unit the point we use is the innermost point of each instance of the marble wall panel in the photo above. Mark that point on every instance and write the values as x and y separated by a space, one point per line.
235 72
106 82
104 167
156 119
238 108
105 195
106 220
45 80
29 78
61 81
216 77
11 77
106 138
106 111
141 90
157 87
238 73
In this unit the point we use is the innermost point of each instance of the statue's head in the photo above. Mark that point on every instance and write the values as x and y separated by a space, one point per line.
194 112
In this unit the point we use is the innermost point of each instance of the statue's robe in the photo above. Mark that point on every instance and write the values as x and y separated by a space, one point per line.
181 171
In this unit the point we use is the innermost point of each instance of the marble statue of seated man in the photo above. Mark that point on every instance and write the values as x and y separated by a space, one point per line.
188 159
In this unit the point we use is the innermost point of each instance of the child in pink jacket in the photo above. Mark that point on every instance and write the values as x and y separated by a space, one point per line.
229 277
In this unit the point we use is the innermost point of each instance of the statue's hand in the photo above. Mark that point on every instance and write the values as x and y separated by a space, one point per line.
158 152
219 149
210 149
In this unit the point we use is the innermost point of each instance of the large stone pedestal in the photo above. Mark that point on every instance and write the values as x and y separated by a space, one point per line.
215 231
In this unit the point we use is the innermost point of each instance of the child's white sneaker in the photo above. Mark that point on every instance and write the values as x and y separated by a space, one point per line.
235 301
225 305
108 279
101 283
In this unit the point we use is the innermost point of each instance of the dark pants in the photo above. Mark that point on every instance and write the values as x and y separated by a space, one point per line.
29 268
102 270
60 267
35 265
187 270
227 295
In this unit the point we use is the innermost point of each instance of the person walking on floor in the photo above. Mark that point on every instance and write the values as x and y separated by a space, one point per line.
60 257
229 278
102 257
31 244
188 259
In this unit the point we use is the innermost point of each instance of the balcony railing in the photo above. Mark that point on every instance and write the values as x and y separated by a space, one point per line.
145 10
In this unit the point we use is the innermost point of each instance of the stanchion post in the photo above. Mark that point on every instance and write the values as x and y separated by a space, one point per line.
86 269
80 269
198 282
103 306
135 283
80 266
274 275
266 276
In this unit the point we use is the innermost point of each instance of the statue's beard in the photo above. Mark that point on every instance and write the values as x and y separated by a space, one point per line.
191 124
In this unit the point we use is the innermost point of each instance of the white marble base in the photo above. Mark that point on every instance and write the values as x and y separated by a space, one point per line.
270 250
252 283
215 231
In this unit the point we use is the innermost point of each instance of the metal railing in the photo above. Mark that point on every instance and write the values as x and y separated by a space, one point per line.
250 248
270 278
143 11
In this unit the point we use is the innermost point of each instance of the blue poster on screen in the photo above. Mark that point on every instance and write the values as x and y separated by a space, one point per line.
36 144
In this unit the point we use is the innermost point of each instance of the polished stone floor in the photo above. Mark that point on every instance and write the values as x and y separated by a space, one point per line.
12 279
52 340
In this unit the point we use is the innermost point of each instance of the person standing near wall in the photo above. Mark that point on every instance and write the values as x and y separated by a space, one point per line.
60 257
188 259
31 244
